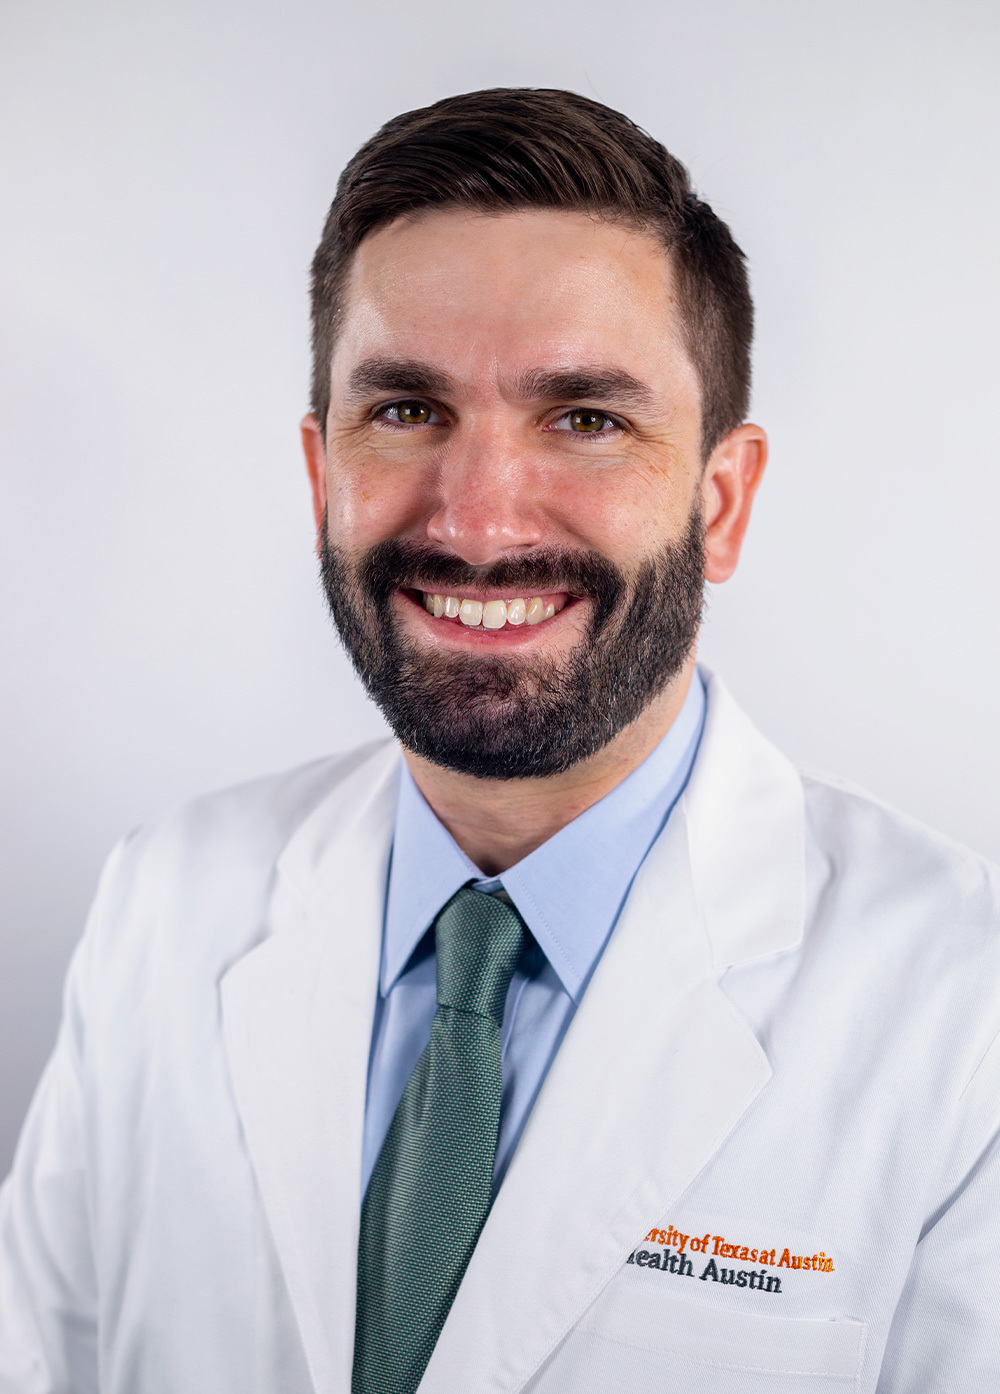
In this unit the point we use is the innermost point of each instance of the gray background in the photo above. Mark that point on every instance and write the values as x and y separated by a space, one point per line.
165 170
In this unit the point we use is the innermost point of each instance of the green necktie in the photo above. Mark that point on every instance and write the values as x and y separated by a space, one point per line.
429 1194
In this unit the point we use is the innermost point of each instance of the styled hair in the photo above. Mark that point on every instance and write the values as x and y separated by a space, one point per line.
515 148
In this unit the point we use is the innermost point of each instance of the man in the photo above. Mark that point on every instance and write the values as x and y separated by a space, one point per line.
576 1042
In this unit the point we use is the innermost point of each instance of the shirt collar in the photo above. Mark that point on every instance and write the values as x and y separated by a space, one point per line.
426 870
570 915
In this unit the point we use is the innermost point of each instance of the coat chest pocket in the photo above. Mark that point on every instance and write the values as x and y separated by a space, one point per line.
630 1334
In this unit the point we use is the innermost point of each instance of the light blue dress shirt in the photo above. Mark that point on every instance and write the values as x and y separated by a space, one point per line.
569 892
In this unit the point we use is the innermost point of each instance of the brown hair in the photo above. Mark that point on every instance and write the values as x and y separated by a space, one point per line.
508 148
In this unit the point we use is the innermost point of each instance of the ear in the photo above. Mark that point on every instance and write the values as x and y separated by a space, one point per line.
314 449
728 486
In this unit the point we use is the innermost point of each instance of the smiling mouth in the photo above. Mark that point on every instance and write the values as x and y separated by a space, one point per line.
492 612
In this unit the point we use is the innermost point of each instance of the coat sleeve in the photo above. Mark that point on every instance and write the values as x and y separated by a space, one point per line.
48 1287
945 1335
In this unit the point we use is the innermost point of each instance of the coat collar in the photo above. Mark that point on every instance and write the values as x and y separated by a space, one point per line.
745 813
655 1039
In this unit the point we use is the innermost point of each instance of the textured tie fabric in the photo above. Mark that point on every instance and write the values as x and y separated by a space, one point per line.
429 1194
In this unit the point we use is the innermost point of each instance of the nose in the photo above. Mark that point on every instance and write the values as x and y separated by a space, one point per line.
489 499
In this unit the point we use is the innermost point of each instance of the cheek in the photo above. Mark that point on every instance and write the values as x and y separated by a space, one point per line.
370 499
628 512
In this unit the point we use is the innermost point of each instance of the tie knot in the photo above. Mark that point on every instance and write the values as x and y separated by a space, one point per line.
478 941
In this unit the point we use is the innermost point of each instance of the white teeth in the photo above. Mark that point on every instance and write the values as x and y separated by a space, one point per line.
470 612
536 610
516 611
491 614
494 614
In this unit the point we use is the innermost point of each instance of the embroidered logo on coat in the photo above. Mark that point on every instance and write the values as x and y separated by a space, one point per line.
718 1259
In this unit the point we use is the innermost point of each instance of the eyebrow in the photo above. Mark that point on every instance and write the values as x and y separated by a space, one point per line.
374 375
581 384
605 384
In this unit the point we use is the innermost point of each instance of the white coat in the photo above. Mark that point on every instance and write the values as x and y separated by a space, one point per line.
786 1066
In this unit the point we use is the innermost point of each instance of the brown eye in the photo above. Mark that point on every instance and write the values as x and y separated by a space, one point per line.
587 421
413 413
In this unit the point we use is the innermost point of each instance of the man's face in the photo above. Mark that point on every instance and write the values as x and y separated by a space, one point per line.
515 429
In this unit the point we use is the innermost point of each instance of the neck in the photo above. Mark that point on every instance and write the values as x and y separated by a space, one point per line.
497 822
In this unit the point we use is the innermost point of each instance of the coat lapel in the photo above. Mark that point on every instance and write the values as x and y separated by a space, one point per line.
655 1071
297 1017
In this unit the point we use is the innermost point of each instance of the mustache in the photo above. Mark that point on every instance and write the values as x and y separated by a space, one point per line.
399 564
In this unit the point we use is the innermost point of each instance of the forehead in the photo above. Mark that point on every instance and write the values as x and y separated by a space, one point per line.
487 295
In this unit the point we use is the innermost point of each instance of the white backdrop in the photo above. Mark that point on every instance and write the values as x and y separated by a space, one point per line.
165 169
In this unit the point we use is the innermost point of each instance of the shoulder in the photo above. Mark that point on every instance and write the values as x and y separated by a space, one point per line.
857 846
255 819
883 852
202 875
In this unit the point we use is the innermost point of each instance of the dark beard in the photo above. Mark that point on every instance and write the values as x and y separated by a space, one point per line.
509 717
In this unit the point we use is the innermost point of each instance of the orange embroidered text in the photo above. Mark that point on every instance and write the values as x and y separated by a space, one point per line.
719 1246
